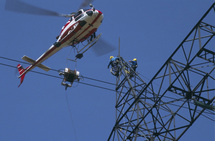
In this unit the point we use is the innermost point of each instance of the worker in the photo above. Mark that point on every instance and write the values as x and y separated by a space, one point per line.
69 76
114 61
133 64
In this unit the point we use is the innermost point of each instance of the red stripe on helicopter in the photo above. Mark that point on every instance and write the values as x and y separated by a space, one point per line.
71 34
78 28
91 25
67 31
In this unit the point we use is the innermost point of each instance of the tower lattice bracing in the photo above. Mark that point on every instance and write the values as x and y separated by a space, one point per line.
181 91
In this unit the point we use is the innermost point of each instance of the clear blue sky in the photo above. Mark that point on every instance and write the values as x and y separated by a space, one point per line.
41 110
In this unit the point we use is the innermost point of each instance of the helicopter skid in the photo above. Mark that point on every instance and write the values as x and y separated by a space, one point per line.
86 47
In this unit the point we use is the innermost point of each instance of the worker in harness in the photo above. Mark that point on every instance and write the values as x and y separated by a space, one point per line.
133 64
69 76
114 63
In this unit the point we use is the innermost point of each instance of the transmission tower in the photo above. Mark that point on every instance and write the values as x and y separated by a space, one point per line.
181 91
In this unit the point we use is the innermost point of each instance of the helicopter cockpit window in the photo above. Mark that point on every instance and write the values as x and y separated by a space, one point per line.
71 18
85 10
78 15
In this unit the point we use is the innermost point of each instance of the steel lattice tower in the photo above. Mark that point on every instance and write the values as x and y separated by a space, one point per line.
183 88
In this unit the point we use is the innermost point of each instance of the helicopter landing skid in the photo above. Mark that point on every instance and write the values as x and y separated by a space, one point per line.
86 47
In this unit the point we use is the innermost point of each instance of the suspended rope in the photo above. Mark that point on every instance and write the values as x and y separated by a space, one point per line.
71 115
67 60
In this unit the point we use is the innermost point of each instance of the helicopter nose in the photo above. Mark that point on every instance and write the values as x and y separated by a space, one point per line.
100 13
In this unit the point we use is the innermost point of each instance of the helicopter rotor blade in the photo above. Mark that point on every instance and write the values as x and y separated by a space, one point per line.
102 47
19 6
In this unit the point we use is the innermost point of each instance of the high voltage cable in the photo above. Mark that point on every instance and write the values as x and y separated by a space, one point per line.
58 76
78 82
58 71
61 78
94 86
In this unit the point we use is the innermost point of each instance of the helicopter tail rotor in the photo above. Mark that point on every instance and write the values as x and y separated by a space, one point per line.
21 72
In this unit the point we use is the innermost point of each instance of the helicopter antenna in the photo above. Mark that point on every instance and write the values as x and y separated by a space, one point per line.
91 5
119 48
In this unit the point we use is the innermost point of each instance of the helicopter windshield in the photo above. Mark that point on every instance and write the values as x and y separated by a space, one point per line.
78 15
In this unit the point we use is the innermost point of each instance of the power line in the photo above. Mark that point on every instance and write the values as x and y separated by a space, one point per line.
14 60
62 78
96 86
58 77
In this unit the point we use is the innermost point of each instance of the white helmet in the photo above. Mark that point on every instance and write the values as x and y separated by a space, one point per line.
77 73
67 70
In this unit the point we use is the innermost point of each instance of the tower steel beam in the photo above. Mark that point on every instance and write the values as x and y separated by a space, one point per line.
181 91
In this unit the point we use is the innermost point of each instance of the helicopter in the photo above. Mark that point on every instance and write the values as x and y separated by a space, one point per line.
81 26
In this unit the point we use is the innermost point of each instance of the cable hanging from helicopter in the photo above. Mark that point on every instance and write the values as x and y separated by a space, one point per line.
69 76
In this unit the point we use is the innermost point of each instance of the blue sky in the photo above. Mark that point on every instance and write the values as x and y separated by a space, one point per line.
42 110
